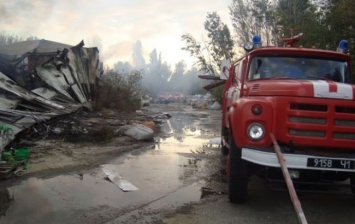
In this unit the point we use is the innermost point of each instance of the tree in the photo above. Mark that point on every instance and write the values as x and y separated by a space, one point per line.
220 40
123 68
119 91
303 17
251 17
197 51
177 81
6 39
340 20
220 45
157 74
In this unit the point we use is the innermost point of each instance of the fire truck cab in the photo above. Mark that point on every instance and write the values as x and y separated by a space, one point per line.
303 97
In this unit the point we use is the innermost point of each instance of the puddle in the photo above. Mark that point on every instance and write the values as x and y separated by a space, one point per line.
166 175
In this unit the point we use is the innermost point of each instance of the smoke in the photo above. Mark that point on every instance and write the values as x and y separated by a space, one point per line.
25 16
138 59
158 76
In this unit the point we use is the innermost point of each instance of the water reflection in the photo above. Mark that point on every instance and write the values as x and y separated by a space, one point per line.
180 123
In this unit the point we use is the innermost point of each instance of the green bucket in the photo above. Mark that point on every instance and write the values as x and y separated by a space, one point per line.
8 156
22 154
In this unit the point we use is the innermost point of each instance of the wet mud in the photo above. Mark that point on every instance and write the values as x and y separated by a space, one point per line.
172 171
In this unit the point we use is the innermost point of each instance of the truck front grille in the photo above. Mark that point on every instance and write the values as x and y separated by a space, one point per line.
349 136
320 134
324 121
307 120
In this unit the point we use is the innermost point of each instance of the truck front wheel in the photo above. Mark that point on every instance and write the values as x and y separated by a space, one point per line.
352 183
224 139
237 172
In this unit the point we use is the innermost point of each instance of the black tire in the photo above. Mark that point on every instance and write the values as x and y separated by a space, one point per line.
224 148
237 175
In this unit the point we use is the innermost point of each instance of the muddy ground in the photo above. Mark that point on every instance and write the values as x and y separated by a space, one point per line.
182 180
81 140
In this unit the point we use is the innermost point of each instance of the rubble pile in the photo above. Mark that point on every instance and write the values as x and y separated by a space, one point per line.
91 126
42 79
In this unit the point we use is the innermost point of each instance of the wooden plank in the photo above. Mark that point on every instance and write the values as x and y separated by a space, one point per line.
291 189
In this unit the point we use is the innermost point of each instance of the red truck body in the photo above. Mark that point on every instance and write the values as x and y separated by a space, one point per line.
304 98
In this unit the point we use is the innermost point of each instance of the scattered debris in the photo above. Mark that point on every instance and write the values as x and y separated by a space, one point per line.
205 191
214 141
8 169
215 106
146 100
199 101
150 124
137 131
80 176
119 181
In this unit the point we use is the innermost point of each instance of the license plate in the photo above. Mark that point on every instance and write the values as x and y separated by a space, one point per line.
331 163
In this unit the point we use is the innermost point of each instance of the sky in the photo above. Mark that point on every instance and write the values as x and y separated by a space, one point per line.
115 24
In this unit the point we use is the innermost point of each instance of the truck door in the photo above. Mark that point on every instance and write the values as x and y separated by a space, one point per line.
238 71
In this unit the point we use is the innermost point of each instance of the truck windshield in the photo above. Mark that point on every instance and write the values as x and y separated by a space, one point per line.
298 68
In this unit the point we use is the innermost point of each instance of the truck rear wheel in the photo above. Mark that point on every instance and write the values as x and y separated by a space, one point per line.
237 171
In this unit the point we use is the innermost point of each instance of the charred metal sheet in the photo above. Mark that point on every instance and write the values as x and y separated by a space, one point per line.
42 79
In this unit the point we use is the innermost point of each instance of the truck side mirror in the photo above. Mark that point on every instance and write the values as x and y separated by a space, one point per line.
224 73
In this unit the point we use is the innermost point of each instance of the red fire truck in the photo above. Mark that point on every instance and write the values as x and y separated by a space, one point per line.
301 96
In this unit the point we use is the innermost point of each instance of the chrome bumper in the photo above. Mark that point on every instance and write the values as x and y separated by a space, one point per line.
293 161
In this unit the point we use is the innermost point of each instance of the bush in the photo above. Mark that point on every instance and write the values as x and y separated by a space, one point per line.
117 91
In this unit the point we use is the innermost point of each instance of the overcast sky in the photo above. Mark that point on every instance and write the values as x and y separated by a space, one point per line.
117 23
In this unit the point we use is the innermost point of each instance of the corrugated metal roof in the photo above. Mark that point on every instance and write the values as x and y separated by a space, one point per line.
40 46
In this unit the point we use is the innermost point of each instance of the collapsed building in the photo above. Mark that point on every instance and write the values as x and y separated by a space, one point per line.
41 79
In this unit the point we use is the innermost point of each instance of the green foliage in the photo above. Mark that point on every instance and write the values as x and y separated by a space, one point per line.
119 91
220 40
218 47
251 17
301 16
217 93
323 22
195 49
340 19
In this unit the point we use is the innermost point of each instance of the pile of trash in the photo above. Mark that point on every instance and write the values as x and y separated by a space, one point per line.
205 101
42 79
83 126
93 126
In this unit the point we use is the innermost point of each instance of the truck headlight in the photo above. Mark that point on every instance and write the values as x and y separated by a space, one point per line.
255 132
